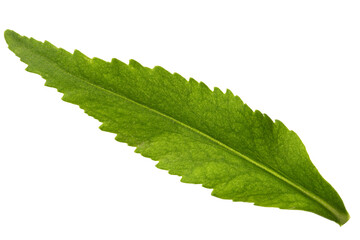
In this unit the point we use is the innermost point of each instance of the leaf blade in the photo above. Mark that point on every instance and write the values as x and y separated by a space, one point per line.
244 155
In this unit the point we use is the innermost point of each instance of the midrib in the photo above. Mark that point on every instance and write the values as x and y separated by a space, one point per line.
319 200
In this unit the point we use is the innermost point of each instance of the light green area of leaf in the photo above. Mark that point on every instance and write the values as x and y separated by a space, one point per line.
207 137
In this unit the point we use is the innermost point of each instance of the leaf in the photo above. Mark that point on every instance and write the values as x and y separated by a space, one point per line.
207 137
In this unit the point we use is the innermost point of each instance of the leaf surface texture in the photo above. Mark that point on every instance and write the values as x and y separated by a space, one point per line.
207 137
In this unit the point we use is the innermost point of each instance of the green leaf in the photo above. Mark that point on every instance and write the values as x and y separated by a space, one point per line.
207 137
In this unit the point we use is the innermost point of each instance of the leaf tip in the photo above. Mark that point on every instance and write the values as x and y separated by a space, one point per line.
10 35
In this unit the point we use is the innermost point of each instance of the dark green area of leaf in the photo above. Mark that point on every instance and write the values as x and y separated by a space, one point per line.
207 137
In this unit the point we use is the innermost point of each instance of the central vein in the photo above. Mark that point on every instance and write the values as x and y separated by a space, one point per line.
301 189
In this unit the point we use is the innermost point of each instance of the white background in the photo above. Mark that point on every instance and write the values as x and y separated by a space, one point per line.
63 178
